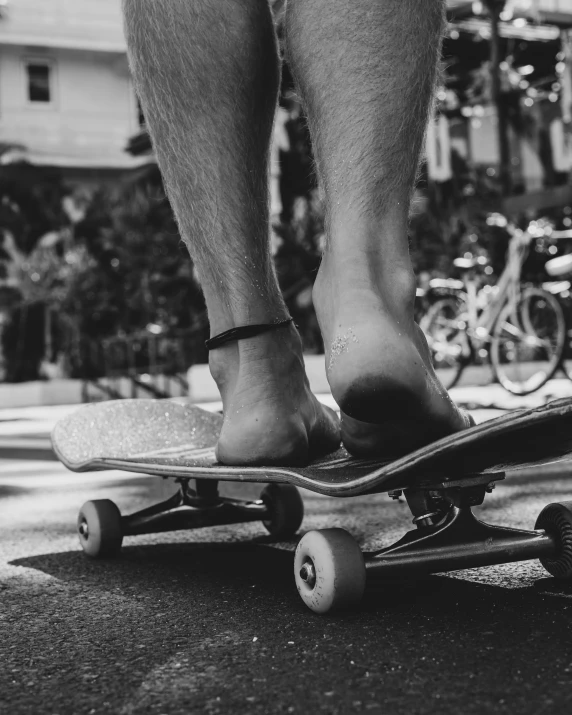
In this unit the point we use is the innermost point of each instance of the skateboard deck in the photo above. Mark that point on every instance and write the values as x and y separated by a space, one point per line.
177 439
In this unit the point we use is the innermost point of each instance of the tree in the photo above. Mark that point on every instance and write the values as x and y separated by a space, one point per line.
30 208
140 272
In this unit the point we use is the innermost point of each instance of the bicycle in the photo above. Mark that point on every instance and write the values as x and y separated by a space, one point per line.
560 269
522 330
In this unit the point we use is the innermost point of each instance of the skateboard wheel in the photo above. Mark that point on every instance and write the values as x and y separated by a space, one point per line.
329 569
556 520
99 528
285 507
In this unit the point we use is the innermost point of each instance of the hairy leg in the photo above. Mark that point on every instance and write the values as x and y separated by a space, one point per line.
366 71
207 74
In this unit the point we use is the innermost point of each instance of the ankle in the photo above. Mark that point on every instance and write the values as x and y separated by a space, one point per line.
369 227
223 366
232 314
363 278
271 352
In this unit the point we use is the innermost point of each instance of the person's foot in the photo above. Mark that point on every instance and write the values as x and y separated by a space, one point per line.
270 415
378 363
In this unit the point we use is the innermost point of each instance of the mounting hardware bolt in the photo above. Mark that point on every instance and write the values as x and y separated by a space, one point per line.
308 574
395 494
490 486
425 519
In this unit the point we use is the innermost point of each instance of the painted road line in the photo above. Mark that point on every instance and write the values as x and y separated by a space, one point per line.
67 478
29 442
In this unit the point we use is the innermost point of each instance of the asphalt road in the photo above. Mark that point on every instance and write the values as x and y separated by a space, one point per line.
210 621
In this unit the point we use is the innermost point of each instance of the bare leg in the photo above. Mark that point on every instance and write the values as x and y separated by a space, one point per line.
207 73
365 70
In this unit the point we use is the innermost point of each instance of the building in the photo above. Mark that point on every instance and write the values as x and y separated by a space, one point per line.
67 100
534 96
66 97
543 11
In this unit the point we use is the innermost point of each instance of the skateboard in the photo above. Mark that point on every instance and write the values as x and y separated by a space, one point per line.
441 483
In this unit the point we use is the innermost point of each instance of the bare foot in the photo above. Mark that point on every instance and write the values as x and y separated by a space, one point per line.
377 359
270 413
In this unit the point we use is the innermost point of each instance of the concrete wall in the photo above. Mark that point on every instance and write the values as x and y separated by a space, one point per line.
70 392
29 394
202 388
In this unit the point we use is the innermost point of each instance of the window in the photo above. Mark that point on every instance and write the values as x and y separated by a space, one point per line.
39 82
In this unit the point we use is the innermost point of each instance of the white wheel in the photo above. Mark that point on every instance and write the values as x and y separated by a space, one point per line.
329 569
285 507
556 519
99 528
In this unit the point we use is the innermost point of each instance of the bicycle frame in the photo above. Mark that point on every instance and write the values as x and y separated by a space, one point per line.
502 321
480 326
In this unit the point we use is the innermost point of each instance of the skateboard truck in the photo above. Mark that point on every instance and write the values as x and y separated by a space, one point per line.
331 571
329 566
194 508
449 536
101 526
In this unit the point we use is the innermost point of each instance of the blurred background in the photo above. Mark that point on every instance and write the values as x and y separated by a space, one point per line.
98 297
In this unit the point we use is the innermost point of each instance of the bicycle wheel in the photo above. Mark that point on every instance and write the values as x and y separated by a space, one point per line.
528 342
566 364
444 328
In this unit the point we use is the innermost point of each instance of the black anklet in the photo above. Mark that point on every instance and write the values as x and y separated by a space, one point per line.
242 331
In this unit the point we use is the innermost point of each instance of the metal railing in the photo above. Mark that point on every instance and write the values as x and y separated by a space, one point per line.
144 364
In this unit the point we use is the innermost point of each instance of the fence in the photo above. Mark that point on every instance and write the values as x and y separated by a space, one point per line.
145 364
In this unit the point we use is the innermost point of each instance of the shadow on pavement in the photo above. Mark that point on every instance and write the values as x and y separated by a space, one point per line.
8 490
220 628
